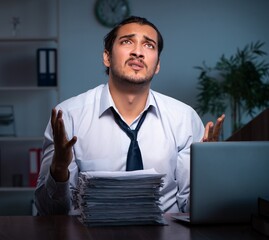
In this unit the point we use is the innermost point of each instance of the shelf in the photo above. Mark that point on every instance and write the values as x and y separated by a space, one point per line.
10 189
30 39
30 88
31 99
20 139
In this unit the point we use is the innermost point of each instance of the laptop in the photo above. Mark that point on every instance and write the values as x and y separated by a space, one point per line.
226 180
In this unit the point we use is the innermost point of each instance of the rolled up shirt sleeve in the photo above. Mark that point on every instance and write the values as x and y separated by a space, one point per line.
52 197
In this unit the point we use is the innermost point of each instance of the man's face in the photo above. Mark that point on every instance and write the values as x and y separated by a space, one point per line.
134 58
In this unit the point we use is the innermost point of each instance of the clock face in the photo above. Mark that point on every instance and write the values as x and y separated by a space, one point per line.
111 12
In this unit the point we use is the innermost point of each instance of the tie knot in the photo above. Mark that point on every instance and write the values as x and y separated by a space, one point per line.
132 134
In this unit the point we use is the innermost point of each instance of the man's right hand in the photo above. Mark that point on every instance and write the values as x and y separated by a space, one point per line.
62 148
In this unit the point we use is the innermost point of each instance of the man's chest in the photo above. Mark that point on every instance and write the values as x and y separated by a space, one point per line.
105 148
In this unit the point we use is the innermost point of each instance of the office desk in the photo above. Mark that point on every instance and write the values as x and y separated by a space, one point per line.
69 228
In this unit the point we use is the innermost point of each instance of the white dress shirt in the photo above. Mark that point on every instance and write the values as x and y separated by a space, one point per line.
164 140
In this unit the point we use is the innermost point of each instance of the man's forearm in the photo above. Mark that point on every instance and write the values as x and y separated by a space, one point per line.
53 198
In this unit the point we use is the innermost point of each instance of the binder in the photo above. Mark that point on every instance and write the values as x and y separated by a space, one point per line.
47 66
34 165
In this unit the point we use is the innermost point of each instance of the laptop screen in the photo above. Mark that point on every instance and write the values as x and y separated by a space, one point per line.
226 180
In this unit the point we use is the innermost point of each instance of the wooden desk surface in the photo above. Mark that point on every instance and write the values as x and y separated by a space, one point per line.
67 227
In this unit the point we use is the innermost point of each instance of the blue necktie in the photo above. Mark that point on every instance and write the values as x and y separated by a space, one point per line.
134 158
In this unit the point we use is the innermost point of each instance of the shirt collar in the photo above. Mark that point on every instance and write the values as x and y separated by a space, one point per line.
106 101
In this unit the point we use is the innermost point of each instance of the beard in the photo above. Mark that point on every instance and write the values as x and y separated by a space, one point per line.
134 79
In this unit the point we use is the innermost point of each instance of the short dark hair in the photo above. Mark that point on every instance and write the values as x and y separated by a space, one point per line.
111 36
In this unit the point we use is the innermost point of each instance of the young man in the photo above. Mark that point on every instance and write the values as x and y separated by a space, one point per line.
84 127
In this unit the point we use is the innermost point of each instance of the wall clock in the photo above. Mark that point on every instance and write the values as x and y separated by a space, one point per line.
111 12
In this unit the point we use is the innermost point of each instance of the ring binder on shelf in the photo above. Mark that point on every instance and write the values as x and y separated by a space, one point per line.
47 66
34 165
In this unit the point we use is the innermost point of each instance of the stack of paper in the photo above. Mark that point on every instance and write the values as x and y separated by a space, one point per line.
120 198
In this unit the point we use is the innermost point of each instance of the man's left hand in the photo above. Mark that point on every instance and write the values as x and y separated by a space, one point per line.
212 132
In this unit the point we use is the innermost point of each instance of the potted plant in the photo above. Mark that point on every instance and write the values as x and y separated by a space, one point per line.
240 82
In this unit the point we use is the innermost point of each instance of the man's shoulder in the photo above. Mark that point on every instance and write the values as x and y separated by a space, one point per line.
166 101
82 99
176 112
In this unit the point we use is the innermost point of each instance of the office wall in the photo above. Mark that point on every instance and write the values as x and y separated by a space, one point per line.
193 30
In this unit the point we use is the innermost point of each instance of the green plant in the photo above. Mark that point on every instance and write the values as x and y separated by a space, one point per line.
240 82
